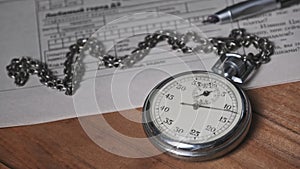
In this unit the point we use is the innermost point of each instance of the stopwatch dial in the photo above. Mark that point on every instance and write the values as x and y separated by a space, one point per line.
196 108
206 94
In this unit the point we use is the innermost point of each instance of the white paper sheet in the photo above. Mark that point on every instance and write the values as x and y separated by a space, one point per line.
44 29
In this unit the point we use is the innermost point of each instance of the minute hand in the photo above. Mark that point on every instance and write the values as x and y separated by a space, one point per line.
196 106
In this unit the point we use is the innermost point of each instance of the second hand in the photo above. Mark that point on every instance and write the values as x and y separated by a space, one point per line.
196 106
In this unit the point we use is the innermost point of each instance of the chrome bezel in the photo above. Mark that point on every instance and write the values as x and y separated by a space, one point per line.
197 151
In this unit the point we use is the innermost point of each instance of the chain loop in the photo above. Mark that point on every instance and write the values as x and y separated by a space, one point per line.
21 68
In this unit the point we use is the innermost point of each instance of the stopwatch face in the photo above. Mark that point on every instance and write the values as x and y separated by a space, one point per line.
196 114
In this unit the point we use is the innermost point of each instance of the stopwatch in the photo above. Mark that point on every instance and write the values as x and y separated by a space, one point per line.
202 115
196 115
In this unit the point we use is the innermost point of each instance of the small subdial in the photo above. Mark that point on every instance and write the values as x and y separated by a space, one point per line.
204 96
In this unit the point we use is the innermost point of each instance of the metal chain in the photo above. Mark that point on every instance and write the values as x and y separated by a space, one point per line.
240 38
21 68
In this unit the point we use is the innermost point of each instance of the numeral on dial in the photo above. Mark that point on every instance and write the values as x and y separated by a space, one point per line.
194 132
168 121
210 128
180 87
227 107
164 108
223 119
178 130
170 96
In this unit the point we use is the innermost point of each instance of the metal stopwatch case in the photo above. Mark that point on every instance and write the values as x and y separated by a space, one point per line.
200 115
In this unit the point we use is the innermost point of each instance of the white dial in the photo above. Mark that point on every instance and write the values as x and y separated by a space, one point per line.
194 108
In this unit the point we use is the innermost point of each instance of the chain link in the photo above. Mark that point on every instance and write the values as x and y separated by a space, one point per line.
21 68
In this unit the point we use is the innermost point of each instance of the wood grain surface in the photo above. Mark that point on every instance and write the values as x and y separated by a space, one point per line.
273 140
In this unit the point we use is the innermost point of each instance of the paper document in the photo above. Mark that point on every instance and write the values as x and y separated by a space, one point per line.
44 29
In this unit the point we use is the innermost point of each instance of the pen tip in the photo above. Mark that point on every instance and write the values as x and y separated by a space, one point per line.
211 19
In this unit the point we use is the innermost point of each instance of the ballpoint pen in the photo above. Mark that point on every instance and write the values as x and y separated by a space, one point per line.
248 9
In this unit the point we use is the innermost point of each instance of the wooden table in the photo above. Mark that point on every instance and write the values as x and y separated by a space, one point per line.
273 140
